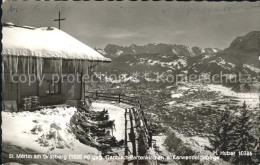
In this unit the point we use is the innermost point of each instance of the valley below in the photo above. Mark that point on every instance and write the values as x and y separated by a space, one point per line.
187 94
182 116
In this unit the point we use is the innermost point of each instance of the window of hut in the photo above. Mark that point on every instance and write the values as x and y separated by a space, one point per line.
54 87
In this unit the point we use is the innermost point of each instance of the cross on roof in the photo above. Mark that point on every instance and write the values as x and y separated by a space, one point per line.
59 19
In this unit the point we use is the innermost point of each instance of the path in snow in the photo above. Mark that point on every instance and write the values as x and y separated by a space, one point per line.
116 112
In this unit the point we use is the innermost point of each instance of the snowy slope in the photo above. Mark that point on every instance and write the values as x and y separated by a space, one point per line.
16 131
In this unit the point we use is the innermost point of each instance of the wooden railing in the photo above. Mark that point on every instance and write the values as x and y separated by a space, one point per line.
119 97
134 115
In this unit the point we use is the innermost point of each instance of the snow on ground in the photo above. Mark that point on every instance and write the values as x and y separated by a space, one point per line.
251 99
118 53
202 141
192 143
198 103
252 68
214 50
195 143
183 88
16 131
171 102
164 64
177 95
174 51
160 142
115 113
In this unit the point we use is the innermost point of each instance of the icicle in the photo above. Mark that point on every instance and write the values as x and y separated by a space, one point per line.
54 65
28 65
87 66
91 65
74 65
49 61
35 66
51 64
3 69
39 64
14 64
3 73
59 63
84 68
23 63
69 65
79 66
31 65
60 66
5 60
10 65
57 66
96 66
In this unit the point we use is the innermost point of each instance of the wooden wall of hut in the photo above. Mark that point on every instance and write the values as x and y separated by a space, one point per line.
9 89
68 90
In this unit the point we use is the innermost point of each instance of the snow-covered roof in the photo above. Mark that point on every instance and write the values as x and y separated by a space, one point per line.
45 42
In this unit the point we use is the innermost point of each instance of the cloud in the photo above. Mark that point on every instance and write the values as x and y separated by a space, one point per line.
179 32
121 35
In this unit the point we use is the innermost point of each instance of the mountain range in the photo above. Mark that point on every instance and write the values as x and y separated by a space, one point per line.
162 49
241 56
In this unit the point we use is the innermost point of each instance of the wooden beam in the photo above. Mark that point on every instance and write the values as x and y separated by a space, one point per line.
132 133
126 147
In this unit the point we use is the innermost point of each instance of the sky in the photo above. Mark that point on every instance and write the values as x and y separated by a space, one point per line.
98 23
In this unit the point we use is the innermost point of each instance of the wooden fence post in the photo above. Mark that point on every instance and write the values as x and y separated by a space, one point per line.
132 133
119 97
126 147
96 94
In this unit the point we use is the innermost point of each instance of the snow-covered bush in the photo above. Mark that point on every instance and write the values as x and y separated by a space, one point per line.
175 145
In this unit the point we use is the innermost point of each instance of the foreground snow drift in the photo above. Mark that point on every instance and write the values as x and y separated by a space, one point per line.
16 131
